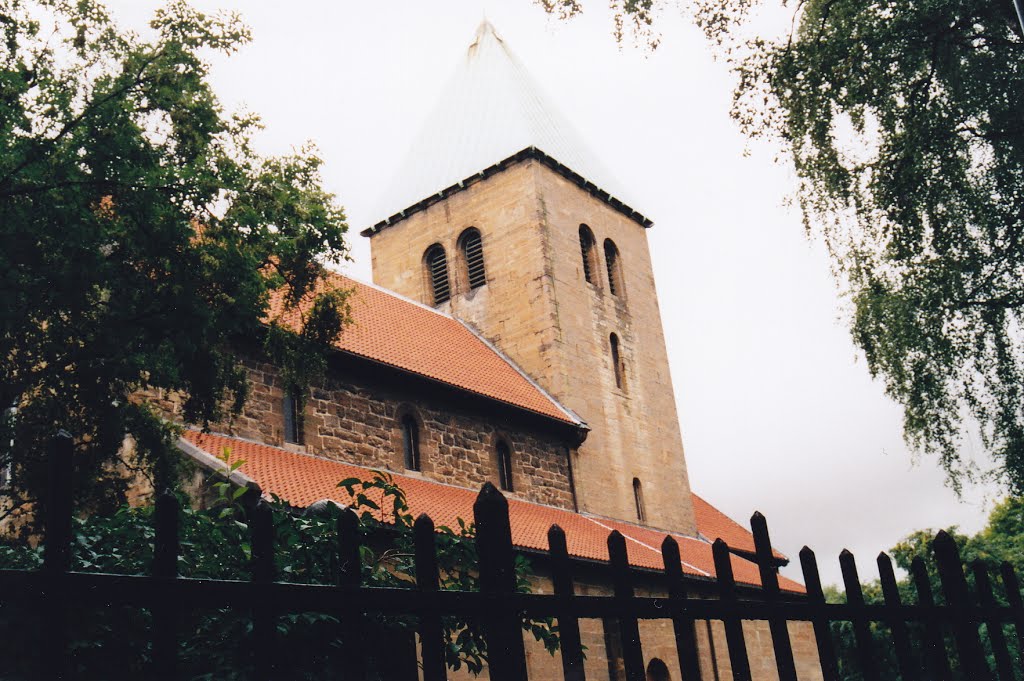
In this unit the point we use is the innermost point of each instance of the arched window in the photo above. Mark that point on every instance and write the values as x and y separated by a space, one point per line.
472 249
589 252
437 272
292 418
504 453
617 366
638 498
411 442
611 261
657 670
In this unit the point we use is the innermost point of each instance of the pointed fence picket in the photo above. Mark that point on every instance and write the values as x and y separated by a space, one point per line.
919 632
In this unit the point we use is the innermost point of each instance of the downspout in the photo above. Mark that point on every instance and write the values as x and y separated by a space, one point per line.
581 435
572 480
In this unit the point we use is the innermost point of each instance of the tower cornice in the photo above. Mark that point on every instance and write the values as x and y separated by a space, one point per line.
529 153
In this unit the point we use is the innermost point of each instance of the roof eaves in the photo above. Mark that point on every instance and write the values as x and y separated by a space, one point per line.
209 460
527 153
216 464
568 421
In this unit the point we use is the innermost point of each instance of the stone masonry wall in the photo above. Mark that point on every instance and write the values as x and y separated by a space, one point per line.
360 424
540 310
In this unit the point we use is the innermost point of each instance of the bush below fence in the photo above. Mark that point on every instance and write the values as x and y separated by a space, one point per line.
927 639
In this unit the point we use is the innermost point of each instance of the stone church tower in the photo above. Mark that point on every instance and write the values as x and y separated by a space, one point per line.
503 219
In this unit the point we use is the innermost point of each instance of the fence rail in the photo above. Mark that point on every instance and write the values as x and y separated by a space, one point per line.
55 589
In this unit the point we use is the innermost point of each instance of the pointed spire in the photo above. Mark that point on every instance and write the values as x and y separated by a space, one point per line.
485 27
490 110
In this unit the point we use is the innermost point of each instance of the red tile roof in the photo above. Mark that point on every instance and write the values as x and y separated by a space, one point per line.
302 480
714 524
402 333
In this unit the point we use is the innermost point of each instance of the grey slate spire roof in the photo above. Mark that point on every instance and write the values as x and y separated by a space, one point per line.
490 111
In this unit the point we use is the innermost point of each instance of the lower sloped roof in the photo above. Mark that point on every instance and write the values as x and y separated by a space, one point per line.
714 524
301 480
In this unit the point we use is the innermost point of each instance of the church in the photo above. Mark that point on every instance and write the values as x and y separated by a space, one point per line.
511 334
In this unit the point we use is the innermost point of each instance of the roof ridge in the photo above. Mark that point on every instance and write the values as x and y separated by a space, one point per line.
646 545
597 516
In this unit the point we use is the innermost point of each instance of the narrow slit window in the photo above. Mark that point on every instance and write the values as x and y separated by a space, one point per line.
617 366
411 442
292 418
504 465
589 253
473 255
611 260
437 271
638 498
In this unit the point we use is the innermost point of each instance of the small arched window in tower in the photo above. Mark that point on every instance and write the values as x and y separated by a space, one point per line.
411 442
611 261
473 255
292 418
617 365
437 272
504 453
589 252
638 498
657 670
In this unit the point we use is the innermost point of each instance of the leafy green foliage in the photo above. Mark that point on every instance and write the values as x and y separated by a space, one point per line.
905 125
141 237
215 544
633 16
1002 540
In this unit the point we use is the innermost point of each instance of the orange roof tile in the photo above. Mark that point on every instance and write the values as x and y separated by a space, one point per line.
402 333
714 524
302 480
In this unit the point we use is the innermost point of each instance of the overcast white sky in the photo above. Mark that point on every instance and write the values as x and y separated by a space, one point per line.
778 412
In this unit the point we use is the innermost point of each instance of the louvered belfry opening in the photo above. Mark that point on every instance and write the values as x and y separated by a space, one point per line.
587 251
473 252
437 270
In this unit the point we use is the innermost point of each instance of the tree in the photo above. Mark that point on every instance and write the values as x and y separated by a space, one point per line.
1002 540
141 237
904 122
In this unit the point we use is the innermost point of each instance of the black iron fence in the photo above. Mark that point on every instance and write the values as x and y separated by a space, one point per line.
498 607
